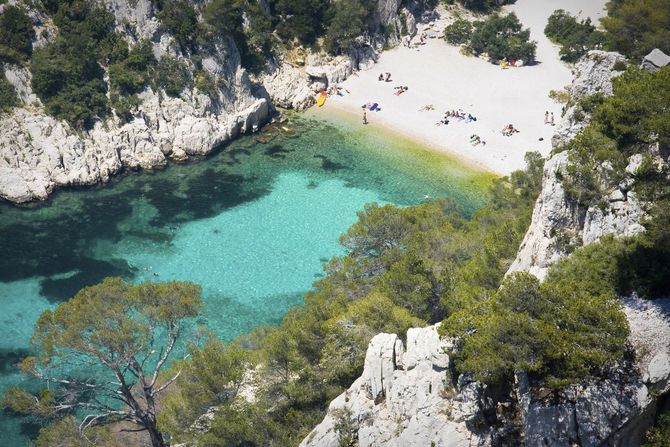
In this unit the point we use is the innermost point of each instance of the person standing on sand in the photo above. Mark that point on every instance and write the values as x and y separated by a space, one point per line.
546 117
552 118
365 117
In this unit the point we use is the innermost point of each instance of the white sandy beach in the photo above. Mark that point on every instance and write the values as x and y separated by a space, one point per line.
438 74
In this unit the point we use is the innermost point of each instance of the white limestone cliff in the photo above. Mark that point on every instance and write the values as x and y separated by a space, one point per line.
400 399
39 153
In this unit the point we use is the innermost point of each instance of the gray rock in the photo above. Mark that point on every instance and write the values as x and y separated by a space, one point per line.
655 60
414 410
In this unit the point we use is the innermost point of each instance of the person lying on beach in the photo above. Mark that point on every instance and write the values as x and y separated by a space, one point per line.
380 77
427 107
475 140
400 90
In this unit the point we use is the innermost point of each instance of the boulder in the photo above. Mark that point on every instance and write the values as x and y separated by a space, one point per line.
655 60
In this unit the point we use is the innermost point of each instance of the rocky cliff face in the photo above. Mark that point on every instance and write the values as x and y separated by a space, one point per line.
39 153
401 399
558 223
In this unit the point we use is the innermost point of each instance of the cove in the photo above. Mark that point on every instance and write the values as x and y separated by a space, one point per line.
252 224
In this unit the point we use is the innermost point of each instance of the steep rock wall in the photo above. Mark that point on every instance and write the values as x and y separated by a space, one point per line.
39 153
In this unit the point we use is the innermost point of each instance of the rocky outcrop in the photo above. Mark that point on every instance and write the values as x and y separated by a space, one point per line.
655 60
402 398
39 153
593 74
559 223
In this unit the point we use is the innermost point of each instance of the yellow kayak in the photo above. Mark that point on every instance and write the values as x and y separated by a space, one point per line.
321 99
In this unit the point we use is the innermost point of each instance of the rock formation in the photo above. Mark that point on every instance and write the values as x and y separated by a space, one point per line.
39 153
558 224
401 398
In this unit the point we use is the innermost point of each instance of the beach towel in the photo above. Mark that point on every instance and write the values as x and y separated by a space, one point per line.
373 107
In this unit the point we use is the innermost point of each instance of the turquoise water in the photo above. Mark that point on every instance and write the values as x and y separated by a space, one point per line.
253 224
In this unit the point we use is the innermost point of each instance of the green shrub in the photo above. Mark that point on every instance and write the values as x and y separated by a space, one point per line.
173 76
180 18
8 98
206 83
575 38
67 73
458 32
558 333
659 434
347 23
502 37
16 35
635 27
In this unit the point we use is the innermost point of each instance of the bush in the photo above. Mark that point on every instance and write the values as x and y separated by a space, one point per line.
502 37
635 27
659 434
558 333
173 76
575 38
179 17
458 32
347 23
481 5
16 35
67 73
8 98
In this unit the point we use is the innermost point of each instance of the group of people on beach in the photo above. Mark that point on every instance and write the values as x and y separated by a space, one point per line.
549 119
386 77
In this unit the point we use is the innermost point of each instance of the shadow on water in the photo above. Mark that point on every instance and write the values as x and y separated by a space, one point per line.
329 165
9 358
92 271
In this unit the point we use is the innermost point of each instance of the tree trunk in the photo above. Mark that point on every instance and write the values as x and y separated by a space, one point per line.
156 436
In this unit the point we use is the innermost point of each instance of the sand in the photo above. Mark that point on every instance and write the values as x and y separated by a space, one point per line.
438 74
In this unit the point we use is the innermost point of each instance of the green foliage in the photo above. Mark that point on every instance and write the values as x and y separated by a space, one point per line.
67 73
206 83
639 111
556 332
659 434
301 19
66 433
254 41
180 18
129 75
458 32
16 35
8 97
347 23
480 5
575 38
502 36
123 334
635 27
173 76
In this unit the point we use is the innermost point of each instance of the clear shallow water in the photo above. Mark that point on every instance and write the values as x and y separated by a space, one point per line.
252 224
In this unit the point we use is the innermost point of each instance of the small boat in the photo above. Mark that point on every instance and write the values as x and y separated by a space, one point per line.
321 99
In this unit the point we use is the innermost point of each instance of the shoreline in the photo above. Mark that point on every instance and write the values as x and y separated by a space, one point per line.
337 114
438 75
